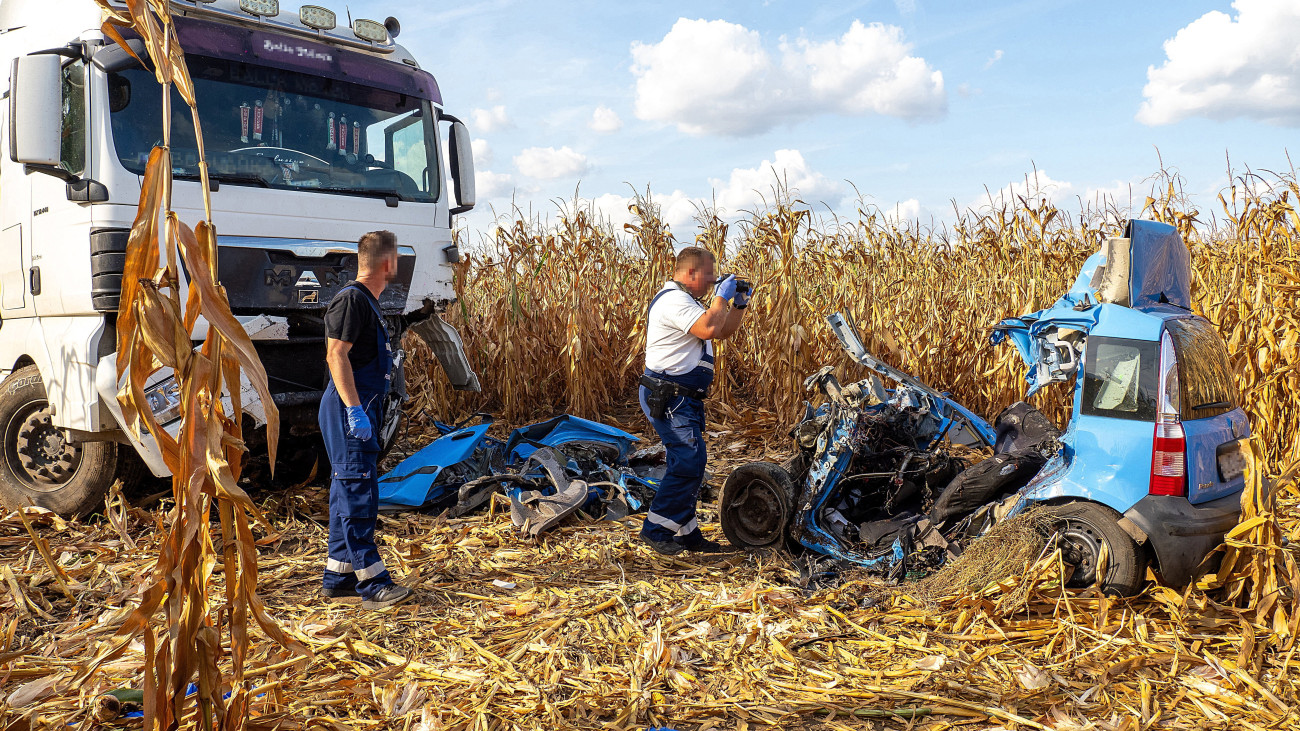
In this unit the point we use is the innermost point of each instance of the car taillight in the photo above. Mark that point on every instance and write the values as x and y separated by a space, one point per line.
1169 460
1169 445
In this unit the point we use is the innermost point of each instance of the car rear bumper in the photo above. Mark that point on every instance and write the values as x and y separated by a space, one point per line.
1181 533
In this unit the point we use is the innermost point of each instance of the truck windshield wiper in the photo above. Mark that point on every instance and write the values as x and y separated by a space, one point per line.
369 193
233 178
1212 405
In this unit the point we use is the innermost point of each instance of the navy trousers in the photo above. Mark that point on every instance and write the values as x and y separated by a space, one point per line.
354 559
672 511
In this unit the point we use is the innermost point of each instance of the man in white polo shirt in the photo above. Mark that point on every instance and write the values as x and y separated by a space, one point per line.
678 373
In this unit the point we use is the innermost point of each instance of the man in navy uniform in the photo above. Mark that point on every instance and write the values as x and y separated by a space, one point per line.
360 359
678 373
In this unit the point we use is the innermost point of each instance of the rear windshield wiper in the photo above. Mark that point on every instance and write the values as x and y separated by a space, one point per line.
1212 405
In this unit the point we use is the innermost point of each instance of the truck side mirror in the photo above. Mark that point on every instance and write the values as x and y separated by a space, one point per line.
36 110
462 166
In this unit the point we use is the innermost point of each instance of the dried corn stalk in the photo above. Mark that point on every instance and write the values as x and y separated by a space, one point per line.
154 330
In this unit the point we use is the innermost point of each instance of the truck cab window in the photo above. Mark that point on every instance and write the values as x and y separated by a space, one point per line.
72 147
272 128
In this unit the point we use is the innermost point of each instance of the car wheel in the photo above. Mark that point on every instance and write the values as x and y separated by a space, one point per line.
757 505
1084 530
41 467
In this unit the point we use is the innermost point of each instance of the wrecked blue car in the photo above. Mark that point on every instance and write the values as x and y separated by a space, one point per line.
1148 472
549 471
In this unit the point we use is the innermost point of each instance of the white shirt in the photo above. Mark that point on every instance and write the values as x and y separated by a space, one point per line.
670 347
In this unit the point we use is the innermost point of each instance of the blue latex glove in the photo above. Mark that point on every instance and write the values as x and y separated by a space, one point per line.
359 424
726 288
742 298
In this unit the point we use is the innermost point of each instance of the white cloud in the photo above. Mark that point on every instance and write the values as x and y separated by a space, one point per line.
749 187
997 56
605 120
1124 194
1223 67
490 120
906 7
677 210
715 77
547 163
482 152
905 211
1034 186
489 185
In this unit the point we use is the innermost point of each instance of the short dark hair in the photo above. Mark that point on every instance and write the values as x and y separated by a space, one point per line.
374 247
692 257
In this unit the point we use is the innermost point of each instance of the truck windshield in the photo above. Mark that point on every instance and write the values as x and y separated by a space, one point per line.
282 129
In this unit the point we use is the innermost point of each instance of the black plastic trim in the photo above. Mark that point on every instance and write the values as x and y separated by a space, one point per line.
107 262
1183 534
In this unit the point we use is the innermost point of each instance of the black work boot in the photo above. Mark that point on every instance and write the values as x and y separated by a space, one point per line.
666 548
343 594
389 596
707 546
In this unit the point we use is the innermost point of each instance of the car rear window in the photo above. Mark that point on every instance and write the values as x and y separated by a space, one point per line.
1203 370
1119 378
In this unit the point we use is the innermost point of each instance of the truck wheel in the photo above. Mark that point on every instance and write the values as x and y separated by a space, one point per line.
757 505
40 467
1083 529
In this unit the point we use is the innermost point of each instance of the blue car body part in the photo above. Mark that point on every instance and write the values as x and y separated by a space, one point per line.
567 429
1146 372
536 463
421 480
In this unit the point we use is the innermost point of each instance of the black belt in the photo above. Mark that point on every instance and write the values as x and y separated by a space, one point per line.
673 390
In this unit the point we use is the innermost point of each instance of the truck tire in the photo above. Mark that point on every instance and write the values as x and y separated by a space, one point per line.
757 505
1084 528
39 467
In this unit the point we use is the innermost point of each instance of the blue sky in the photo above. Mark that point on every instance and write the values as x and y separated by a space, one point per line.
916 102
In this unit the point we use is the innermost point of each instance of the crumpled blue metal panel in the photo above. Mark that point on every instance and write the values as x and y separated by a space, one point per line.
562 430
1159 286
409 483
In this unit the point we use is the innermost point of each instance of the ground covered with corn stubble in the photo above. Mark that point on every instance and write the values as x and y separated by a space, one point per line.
587 629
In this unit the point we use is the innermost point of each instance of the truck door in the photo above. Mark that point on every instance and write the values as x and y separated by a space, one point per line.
59 275
15 238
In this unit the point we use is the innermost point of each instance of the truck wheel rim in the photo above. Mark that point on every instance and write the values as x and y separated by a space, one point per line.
758 513
36 452
1081 548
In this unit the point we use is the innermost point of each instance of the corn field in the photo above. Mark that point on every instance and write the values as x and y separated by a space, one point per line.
554 313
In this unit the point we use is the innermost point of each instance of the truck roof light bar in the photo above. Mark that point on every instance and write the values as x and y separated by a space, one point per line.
263 8
314 16
369 30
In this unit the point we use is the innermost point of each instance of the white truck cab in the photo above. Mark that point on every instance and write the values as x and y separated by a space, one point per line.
314 134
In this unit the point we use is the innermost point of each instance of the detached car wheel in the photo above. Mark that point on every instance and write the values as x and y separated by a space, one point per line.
1087 530
757 506
40 466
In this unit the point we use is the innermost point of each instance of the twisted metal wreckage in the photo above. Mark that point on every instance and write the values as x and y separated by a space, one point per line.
549 470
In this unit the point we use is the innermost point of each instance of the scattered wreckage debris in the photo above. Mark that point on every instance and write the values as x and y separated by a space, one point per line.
549 471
